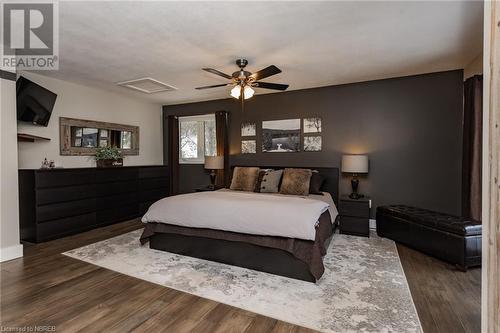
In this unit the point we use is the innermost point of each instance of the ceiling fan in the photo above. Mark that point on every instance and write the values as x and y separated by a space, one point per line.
243 81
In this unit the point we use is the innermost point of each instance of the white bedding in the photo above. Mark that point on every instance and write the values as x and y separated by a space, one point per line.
245 212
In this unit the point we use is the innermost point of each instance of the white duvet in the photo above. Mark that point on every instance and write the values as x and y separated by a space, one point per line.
244 212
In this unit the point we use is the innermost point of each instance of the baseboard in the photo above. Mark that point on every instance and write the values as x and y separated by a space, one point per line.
11 252
373 224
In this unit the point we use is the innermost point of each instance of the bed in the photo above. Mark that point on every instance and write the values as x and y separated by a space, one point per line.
292 252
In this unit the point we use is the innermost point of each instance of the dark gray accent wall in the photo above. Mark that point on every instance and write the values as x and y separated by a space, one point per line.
411 128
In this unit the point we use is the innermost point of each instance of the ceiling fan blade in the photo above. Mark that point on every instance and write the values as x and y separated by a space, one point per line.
267 85
216 72
266 72
214 86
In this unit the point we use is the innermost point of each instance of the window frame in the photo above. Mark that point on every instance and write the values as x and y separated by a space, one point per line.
200 142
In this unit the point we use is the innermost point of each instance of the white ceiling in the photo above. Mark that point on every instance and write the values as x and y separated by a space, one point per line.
314 43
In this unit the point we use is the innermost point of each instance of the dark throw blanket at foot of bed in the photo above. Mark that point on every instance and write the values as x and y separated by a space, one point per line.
290 257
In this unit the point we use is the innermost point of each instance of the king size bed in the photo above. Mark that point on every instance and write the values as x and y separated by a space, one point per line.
274 232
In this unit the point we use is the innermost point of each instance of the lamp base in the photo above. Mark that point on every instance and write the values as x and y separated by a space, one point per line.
212 179
354 185
356 196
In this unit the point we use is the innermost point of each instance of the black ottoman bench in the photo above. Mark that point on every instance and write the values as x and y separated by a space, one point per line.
450 238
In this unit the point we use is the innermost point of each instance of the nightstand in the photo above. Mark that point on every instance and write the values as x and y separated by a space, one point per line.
207 189
355 216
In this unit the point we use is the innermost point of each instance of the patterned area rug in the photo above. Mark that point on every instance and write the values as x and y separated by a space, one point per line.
364 288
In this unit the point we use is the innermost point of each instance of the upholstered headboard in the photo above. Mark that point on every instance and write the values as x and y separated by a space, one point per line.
331 184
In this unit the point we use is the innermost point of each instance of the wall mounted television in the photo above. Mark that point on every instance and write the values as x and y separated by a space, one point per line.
34 102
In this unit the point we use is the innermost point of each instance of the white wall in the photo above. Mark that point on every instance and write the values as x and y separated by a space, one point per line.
10 246
77 101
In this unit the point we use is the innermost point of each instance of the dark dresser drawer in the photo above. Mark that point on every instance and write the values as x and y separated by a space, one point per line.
152 183
144 206
356 209
65 209
121 187
355 225
153 195
46 196
113 215
56 178
118 200
67 226
118 174
153 172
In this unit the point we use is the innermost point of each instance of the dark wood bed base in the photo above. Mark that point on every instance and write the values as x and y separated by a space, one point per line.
240 254
246 255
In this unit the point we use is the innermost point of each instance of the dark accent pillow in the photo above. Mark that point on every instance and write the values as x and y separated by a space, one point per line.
259 180
296 181
244 178
271 181
316 182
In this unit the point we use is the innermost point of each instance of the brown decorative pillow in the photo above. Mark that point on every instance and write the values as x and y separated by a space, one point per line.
244 178
296 181
316 182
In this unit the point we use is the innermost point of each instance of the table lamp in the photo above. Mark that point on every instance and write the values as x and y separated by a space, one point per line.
213 163
355 164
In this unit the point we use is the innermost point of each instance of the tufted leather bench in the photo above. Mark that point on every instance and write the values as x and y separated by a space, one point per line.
453 239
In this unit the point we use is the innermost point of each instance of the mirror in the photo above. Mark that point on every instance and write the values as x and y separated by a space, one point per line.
82 137
92 138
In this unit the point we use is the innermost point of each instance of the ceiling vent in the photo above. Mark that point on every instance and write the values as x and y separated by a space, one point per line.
147 85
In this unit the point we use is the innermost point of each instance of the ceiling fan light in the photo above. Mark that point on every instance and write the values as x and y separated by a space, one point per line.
248 92
235 92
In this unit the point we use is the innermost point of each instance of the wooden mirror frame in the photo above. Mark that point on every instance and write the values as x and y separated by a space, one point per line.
66 149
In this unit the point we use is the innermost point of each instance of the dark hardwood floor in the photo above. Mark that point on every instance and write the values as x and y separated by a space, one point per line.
47 288
447 300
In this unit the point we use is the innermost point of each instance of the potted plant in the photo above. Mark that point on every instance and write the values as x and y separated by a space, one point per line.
107 157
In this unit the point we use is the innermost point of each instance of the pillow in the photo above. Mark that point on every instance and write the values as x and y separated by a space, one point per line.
244 178
316 182
259 179
296 181
271 181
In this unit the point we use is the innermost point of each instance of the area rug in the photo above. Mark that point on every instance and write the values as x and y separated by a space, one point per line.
363 289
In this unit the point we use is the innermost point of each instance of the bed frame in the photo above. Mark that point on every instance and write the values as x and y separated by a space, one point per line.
274 261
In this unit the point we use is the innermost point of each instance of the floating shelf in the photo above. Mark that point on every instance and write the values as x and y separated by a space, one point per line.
22 137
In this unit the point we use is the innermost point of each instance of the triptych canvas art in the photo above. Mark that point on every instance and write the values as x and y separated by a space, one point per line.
282 136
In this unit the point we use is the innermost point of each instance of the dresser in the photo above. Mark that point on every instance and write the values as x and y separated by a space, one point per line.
355 216
60 202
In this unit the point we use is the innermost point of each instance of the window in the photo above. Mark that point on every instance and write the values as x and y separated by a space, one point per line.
196 139
126 140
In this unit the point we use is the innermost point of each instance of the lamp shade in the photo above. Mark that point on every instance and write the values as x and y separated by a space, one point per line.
236 91
355 163
214 162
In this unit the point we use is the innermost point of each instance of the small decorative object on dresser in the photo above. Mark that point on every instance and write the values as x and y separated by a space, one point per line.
213 163
355 164
108 157
355 216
